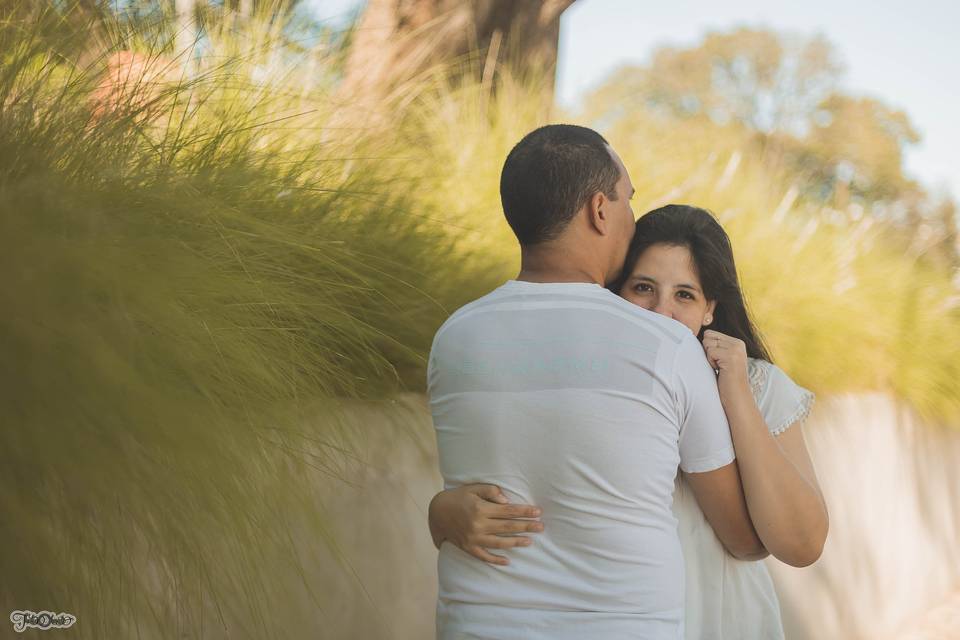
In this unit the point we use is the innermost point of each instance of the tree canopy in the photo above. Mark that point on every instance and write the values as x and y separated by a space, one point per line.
780 96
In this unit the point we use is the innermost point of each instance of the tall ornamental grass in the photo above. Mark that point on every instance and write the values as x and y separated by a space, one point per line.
195 271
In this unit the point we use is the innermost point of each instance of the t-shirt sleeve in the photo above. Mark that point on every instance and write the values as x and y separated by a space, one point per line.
705 441
783 402
430 369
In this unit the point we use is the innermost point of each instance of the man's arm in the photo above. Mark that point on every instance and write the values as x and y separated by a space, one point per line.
720 496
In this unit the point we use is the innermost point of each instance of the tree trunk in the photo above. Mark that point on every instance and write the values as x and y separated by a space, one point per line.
396 40
186 28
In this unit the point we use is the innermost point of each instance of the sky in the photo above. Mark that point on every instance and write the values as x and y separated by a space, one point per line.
904 52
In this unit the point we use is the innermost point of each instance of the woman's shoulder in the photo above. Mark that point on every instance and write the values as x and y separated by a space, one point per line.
781 400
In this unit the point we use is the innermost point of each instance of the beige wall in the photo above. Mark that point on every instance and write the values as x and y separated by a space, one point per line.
891 567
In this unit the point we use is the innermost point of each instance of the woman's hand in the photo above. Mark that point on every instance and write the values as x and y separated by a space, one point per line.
728 356
476 517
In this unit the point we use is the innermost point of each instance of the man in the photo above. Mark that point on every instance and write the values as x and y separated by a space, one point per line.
567 396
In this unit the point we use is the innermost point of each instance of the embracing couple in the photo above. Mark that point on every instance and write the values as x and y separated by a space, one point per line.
565 401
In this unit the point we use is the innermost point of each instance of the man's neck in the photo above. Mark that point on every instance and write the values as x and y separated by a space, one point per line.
556 266
526 275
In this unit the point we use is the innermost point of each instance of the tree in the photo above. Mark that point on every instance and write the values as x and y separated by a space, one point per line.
864 139
781 90
185 25
763 80
396 40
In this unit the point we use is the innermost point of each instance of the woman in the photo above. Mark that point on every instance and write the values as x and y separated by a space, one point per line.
680 264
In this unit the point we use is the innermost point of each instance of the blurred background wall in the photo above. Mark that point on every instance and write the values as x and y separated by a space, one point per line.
890 568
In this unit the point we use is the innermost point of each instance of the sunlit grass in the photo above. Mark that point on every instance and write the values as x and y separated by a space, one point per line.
190 267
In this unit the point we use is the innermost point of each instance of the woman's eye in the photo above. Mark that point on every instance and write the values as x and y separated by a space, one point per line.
686 295
643 288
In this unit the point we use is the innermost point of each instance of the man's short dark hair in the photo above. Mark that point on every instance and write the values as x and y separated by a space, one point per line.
550 175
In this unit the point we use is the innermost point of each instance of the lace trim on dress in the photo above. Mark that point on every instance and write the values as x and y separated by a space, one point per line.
806 403
758 373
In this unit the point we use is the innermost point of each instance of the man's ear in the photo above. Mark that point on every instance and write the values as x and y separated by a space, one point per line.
597 214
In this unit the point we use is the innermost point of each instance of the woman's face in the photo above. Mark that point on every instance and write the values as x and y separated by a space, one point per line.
664 280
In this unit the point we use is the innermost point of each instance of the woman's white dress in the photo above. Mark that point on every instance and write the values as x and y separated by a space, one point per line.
726 598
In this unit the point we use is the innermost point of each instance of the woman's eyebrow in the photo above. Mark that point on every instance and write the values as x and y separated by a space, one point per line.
688 286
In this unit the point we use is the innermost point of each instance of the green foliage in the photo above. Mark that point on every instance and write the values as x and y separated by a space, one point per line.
195 270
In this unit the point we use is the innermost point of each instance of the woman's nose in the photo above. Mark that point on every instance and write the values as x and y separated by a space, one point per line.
663 308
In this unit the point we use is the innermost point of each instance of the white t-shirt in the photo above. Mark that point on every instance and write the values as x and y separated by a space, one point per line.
569 397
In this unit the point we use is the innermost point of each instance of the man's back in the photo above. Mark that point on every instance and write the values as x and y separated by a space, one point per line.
568 397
